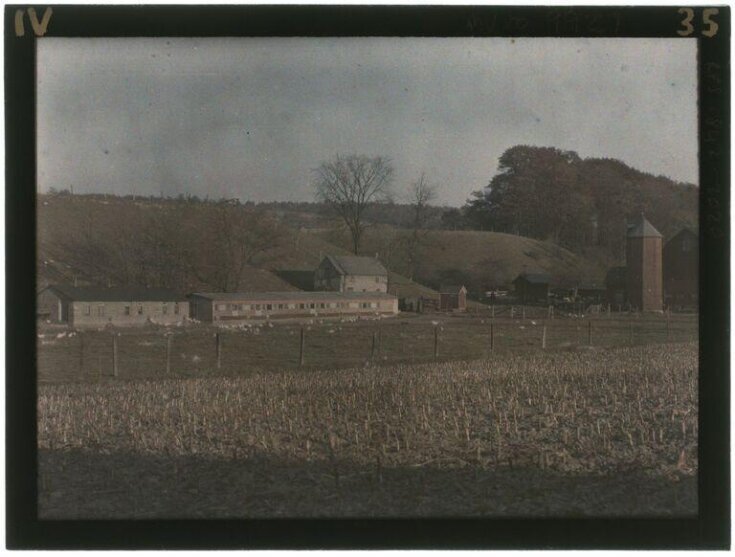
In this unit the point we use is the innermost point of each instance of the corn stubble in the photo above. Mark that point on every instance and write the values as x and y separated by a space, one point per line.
594 413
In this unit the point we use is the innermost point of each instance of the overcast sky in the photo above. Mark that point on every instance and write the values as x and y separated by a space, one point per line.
250 118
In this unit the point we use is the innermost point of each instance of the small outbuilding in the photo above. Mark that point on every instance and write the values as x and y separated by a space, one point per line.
532 288
96 306
452 297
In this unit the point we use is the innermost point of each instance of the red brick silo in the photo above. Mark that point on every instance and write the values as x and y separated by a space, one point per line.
644 266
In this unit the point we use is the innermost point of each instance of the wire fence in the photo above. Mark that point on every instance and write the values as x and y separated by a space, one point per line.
203 350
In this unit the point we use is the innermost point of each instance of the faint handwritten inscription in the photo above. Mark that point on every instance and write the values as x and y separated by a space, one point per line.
714 129
573 22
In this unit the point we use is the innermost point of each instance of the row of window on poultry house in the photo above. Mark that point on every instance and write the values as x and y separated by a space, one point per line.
217 307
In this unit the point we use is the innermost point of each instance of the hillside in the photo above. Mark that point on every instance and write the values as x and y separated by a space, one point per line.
120 241
124 241
193 245
480 260
317 214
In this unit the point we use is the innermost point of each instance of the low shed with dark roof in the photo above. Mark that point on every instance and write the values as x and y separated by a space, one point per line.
96 306
532 288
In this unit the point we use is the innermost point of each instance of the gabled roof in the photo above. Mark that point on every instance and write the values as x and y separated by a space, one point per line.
534 278
451 288
684 232
357 265
115 294
641 228
303 279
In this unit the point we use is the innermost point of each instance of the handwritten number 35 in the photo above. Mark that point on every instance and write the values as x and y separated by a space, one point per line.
710 24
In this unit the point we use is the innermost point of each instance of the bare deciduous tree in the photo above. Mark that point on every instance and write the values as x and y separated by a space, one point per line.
349 184
420 196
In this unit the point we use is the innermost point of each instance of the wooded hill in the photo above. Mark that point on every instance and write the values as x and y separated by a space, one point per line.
580 204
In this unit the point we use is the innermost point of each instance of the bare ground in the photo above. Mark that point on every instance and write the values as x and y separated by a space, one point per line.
78 484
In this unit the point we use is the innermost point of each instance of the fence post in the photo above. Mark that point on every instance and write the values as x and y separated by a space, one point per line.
114 354
436 342
511 311
589 332
372 350
543 338
301 348
630 332
81 353
548 313
168 354
668 328
218 341
523 315
492 311
492 337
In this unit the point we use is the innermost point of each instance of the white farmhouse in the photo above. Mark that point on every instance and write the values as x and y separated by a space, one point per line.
350 273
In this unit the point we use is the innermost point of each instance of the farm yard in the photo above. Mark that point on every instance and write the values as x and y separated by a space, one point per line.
199 350
325 293
608 431
509 413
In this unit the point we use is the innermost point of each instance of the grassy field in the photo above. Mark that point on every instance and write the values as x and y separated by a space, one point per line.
596 432
142 353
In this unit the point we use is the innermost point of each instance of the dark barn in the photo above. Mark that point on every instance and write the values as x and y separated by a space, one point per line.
616 285
532 288
591 293
681 269
452 298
